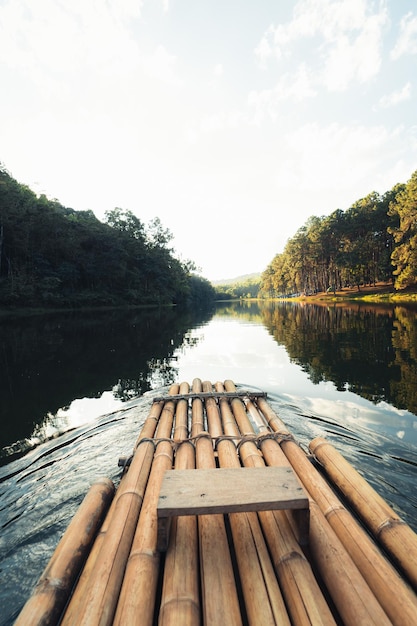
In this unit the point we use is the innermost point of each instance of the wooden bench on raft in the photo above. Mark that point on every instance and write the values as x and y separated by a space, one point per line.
235 490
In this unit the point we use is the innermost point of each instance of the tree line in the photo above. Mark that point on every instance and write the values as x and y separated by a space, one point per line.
52 255
239 289
374 240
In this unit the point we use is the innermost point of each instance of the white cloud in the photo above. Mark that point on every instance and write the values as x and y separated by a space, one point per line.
407 39
162 65
396 97
218 70
263 50
298 86
343 37
218 123
331 18
335 156
350 58
294 87
74 58
67 35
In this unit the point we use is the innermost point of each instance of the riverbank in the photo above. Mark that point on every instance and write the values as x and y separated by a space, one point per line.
381 292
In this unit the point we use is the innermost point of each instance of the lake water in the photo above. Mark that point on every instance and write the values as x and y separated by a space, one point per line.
348 373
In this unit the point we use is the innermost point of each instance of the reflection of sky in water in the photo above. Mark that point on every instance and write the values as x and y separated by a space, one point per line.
81 411
251 356
246 353
356 413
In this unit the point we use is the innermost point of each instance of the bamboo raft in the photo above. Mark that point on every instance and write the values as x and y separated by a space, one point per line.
222 518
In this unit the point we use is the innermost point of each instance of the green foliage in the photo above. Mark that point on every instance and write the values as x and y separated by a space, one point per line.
125 222
404 256
51 255
201 293
356 247
248 288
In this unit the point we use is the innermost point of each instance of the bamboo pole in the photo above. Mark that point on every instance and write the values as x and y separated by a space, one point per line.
347 586
138 592
149 427
352 597
263 599
180 600
102 590
218 585
99 599
304 599
180 430
197 414
51 593
132 482
397 538
239 412
381 576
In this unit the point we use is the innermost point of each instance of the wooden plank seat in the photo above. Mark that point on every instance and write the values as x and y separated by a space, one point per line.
235 490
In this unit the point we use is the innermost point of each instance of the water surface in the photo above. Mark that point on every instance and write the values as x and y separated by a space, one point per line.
69 407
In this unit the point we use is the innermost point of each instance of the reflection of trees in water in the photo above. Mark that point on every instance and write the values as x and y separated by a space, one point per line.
240 309
369 350
159 373
47 361
404 340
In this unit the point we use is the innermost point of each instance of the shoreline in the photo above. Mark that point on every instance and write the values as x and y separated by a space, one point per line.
381 292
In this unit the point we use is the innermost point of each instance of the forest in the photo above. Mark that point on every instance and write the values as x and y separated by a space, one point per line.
374 240
53 256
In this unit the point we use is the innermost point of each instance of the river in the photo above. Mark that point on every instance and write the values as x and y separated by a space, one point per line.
76 387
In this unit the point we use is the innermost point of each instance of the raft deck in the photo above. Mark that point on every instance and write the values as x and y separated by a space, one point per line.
222 518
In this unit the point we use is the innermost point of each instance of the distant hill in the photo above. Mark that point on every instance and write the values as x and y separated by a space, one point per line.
238 279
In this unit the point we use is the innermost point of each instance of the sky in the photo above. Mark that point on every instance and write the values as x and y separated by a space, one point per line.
233 121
